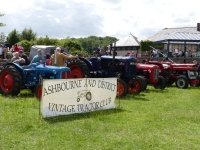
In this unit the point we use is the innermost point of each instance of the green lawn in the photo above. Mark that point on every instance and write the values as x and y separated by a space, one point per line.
154 119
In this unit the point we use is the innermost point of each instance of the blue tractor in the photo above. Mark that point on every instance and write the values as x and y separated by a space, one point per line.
14 77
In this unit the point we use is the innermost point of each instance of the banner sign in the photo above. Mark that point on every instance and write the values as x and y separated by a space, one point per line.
69 96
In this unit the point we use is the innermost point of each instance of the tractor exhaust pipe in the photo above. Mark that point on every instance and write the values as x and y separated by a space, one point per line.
55 57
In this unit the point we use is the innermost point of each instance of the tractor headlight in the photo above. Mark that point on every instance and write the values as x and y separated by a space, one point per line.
165 66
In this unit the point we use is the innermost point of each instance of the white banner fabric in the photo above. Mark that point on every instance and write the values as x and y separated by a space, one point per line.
69 96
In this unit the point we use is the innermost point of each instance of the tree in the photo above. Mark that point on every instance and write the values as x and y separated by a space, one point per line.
71 45
13 37
46 41
2 24
28 34
26 45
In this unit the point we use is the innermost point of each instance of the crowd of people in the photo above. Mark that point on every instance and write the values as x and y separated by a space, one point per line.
16 55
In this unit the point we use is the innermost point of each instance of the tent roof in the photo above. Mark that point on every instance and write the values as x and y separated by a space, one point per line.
128 41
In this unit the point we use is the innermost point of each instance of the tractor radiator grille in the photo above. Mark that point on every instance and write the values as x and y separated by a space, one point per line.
156 74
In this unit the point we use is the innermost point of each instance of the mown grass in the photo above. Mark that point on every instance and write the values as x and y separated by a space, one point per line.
154 119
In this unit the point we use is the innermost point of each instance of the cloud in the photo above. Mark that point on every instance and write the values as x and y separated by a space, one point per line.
77 18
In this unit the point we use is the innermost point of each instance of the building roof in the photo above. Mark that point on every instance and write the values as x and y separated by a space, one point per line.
184 33
128 41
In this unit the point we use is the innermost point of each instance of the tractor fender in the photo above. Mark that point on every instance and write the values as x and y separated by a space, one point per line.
88 63
18 67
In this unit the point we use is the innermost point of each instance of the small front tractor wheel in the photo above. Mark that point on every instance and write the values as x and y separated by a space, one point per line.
135 86
161 83
38 91
182 82
121 88
88 96
10 81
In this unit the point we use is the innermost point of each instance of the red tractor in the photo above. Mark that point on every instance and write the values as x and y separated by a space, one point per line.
151 73
181 74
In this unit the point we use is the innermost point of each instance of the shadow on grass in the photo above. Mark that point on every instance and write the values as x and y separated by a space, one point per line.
138 97
25 95
156 90
79 116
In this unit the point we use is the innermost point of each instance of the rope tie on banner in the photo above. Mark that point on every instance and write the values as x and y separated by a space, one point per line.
118 77
40 82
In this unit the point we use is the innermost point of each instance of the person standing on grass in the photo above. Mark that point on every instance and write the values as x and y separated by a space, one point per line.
60 58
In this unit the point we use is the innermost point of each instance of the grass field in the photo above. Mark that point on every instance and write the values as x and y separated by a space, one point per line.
154 119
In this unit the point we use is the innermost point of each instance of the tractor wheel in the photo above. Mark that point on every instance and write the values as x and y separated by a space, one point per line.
143 81
135 86
38 91
182 82
195 84
161 83
121 88
10 81
88 96
170 82
79 69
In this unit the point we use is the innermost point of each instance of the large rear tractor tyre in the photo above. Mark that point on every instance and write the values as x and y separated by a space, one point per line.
79 69
10 81
121 88
182 82
161 83
135 86
38 91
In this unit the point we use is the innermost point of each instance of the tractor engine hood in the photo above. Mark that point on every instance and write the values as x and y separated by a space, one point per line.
120 58
146 66
184 66
51 69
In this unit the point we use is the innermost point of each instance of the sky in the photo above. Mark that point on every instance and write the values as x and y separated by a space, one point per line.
83 18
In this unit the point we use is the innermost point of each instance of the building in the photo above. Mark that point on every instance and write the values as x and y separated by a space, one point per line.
186 39
127 44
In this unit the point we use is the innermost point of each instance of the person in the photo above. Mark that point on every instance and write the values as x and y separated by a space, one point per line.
12 49
132 53
151 53
38 58
127 54
16 48
180 53
108 52
176 52
8 54
98 50
6 44
47 58
60 58
139 55
198 64
17 59
190 53
5 49
22 55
